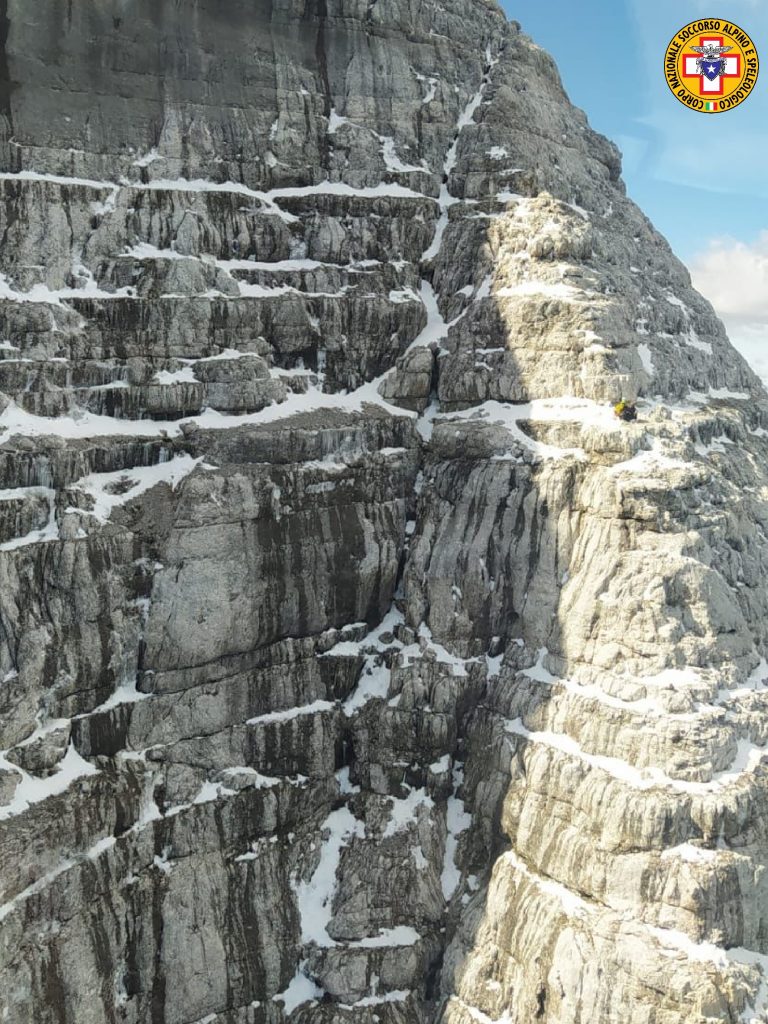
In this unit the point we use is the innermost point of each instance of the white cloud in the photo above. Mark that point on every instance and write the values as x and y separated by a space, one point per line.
752 341
734 277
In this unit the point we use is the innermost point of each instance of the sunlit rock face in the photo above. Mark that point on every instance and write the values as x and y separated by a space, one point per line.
357 665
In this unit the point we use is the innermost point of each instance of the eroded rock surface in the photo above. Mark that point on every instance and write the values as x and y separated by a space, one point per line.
357 666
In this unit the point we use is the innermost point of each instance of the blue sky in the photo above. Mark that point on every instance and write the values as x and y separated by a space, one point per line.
701 179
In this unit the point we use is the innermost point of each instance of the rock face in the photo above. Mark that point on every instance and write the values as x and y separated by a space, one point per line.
356 664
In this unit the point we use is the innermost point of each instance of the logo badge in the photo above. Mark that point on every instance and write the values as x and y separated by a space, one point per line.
711 66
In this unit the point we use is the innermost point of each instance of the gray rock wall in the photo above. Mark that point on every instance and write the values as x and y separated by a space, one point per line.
357 666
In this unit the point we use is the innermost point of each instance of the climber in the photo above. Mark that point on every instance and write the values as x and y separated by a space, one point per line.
625 411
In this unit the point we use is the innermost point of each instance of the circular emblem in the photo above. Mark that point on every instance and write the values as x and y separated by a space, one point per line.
711 65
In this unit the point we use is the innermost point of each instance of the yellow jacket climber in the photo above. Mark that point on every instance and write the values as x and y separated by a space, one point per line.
625 411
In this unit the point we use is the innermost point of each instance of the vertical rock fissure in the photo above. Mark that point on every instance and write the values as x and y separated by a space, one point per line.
321 56
6 91
6 86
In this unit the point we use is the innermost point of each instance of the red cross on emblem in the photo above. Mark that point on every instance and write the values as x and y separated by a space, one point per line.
708 86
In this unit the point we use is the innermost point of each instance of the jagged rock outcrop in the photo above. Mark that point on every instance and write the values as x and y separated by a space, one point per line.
356 664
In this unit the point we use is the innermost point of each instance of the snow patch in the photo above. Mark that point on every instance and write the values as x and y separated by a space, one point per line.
401 935
186 375
546 288
290 713
335 121
41 535
431 82
748 756
646 359
457 820
32 790
404 811
392 161
300 990
109 490
396 996
125 693
413 652
149 158
315 897
375 676
690 854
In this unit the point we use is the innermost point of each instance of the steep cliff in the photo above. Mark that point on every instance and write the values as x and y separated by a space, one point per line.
356 664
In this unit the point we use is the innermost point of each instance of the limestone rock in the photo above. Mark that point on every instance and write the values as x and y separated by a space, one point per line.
357 665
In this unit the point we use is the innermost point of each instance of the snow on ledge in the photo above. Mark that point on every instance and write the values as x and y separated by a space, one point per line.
40 535
667 941
396 996
401 935
32 790
374 678
82 425
299 991
290 713
476 1015
125 693
748 757
101 487
546 410
403 812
